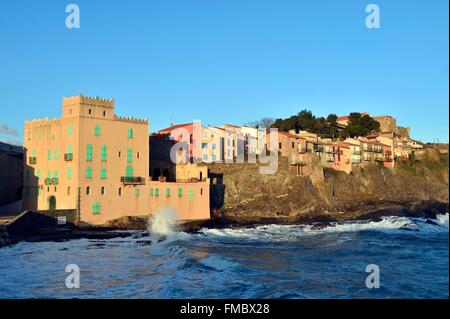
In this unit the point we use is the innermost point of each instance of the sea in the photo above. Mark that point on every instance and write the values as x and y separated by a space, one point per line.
395 257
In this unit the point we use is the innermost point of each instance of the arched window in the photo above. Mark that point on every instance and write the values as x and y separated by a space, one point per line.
120 191
88 190
96 208
102 190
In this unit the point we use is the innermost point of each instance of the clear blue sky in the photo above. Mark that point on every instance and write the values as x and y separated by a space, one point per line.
227 60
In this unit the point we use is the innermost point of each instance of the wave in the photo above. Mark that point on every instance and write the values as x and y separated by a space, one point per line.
390 224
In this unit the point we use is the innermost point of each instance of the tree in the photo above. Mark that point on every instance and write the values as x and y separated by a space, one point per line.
267 122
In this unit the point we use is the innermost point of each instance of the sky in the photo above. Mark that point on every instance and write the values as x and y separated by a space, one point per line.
227 61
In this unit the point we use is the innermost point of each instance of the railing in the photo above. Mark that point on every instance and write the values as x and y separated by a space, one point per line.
318 148
32 160
355 152
55 181
68 157
127 180
48 181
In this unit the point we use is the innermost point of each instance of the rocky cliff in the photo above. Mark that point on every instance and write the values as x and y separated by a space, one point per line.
417 187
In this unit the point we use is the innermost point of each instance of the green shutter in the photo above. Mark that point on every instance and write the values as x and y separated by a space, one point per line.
49 155
33 153
69 173
130 133
38 173
89 151
167 192
130 155
190 195
180 192
104 153
157 192
98 130
104 174
151 191
49 174
96 208
70 130
69 149
129 171
56 156
137 192
89 172
55 174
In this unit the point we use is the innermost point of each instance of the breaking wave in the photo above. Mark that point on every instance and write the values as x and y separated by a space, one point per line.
391 224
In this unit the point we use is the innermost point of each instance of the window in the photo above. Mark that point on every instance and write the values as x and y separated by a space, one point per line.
130 155
55 174
137 192
89 152
205 157
156 191
120 154
68 190
138 155
214 157
69 173
167 192
214 146
103 173
53 137
120 191
180 192
293 145
33 153
228 152
102 190
69 149
56 154
96 208
104 153
104 113
89 172
190 195
70 130
97 130
201 191
38 174
130 133
280 145
129 171
151 191
90 111
49 174
228 141
204 145
88 190
49 155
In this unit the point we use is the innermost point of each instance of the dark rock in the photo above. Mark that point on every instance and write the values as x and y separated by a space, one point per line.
128 223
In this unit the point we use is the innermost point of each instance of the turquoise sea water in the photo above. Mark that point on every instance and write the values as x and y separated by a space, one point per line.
273 261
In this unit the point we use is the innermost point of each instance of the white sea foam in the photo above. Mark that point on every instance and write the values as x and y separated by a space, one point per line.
162 228
390 224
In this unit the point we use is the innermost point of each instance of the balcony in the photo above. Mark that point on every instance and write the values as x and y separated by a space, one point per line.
355 152
32 160
48 181
318 148
126 180
68 157
55 181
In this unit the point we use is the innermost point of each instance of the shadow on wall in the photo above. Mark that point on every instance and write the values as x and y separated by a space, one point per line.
217 193
31 191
